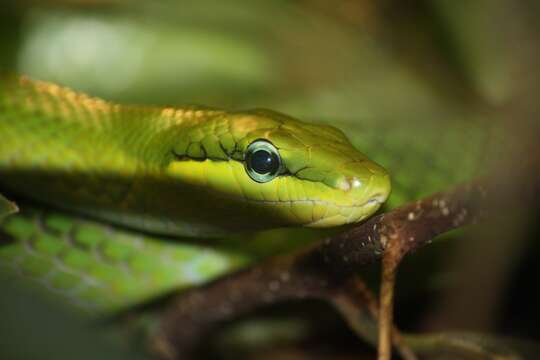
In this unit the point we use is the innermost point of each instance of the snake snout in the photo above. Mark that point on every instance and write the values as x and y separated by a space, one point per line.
365 182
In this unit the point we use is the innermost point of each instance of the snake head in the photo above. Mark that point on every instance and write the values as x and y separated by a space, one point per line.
272 170
182 171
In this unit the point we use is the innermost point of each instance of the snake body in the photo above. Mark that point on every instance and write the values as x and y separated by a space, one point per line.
116 173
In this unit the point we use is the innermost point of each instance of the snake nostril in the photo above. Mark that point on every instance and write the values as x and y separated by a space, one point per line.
344 184
350 183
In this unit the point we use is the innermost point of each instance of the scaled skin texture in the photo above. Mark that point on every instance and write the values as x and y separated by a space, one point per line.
178 171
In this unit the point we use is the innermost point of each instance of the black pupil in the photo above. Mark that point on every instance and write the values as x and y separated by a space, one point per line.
263 162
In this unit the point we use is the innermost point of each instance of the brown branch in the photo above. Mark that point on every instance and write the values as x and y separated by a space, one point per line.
391 260
324 270
359 307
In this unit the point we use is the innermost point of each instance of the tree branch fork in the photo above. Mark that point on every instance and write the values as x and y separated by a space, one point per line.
327 270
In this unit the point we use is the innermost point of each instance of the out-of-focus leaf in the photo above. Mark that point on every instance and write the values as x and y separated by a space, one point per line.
35 327
7 207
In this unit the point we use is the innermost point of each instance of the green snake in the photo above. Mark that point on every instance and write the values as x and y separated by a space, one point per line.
116 205
114 173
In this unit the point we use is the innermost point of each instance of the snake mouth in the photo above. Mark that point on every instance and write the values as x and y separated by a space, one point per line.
373 201
349 214
377 199
335 214
326 208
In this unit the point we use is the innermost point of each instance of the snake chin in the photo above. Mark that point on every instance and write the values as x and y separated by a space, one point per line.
378 199
349 214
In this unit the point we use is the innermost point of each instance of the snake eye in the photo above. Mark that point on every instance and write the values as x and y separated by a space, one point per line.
263 162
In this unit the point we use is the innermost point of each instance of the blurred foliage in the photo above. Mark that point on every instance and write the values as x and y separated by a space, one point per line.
300 60
34 327
6 207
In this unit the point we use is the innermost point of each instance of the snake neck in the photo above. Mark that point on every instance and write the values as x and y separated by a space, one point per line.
41 121
66 148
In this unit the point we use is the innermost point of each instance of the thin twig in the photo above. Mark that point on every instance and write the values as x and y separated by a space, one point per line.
360 309
391 259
